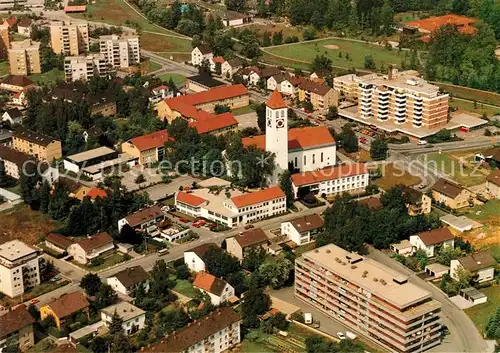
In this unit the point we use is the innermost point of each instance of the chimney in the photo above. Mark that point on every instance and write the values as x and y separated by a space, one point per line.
389 72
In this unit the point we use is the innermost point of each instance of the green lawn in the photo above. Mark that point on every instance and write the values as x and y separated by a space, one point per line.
451 166
179 80
248 346
243 110
48 78
469 106
307 51
489 209
150 66
108 262
185 288
4 68
479 313
161 43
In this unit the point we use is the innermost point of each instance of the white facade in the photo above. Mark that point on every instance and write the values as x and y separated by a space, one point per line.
120 52
233 22
287 88
272 84
483 275
120 288
253 78
134 318
294 235
227 68
220 341
418 244
83 68
11 169
11 120
277 137
193 261
19 268
217 300
197 57
314 158
82 257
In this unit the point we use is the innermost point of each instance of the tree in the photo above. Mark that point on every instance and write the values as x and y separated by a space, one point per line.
254 258
116 324
182 272
236 5
285 183
309 33
99 344
45 197
120 344
333 113
91 283
308 106
379 149
279 321
172 320
277 38
219 263
266 39
348 139
321 63
370 63
105 296
261 116
222 108
277 272
255 302
160 283
387 18
492 329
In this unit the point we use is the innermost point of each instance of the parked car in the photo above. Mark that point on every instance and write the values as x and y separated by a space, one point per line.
34 301
249 226
363 140
341 335
422 142
163 252
184 220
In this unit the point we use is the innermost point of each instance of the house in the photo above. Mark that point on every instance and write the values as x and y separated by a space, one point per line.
58 243
14 161
16 329
491 155
147 148
13 116
403 248
493 183
24 26
200 53
159 93
194 258
233 18
302 229
127 280
268 72
428 241
274 82
418 203
217 289
92 247
320 96
16 83
96 192
19 98
230 67
216 332
373 203
240 245
480 264
5 137
40 146
290 85
450 194
216 125
133 318
144 220
65 307
201 83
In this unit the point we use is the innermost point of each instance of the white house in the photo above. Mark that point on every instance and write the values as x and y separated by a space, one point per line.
427 241
481 264
230 67
91 247
13 116
24 26
19 98
300 230
274 82
193 258
217 289
127 280
160 93
200 53
133 317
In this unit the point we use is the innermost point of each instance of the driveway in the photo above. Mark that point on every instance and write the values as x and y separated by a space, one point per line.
247 120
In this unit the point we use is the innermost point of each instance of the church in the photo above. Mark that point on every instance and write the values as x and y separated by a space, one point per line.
307 148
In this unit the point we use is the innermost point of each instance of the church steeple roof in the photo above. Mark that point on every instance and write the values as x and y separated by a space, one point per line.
276 101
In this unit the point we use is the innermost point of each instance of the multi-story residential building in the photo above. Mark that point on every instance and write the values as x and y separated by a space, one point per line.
350 178
83 68
417 202
235 210
24 58
240 245
147 148
215 333
19 268
348 86
42 147
481 264
69 38
200 53
451 194
16 329
4 40
302 229
321 96
374 300
120 51
24 26
133 318
13 161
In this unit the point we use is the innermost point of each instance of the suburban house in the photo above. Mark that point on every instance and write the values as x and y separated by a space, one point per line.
418 202
16 83
133 317
250 74
230 67
65 307
19 98
24 26
481 264
202 83
87 249
40 146
301 230
218 124
217 289
194 258
216 332
13 116
320 96
428 241
490 155
58 243
493 183
144 220
200 53
450 194
159 93
127 280
372 203
240 245
16 329
147 148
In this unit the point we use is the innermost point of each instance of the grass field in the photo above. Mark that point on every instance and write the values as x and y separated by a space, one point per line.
48 78
393 176
472 94
114 259
185 288
4 68
307 51
178 78
479 313
150 66
458 166
469 106
243 110
489 209
159 43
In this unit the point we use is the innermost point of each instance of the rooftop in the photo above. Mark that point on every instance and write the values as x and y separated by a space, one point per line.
271 193
477 261
494 177
14 156
251 237
144 215
125 310
447 188
209 283
314 87
131 276
200 250
96 192
214 123
307 223
95 241
33 137
190 199
68 304
436 236
17 80
91 154
205 49
59 240
146 142
206 80
329 173
15 320
276 101
15 249
431 24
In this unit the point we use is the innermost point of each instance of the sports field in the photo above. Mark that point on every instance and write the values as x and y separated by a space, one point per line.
343 53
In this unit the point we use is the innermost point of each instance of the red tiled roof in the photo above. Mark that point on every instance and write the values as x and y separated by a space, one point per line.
253 198
436 236
189 199
218 59
147 142
76 8
159 88
95 192
431 24
329 173
299 138
144 215
11 21
276 101
209 283
215 122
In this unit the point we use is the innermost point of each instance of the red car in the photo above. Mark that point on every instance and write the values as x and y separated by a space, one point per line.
184 220
363 140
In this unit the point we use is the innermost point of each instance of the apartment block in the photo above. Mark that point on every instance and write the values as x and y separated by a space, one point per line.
42 147
24 58
120 51
4 40
400 97
83 68
19 268
320 96
374 300
69 38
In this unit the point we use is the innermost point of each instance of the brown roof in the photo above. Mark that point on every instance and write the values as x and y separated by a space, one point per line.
447 188
436 236
144 215
18 80
13 156
33 137
477 261
373 203
200 250
24 22
493 153
494 177
251 237
196 331
307 223
205 49
414 196
132 276
269 71
15 320
59 240
314 87
69 304
209 283
95 241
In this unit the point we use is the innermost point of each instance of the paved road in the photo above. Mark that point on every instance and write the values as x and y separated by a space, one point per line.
464 336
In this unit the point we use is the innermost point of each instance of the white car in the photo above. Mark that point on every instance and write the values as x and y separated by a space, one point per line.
422 142
341 335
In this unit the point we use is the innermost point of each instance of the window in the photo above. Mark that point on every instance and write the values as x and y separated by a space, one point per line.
321 157
305 160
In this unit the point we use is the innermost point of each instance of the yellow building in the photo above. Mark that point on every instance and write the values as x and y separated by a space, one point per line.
64 307
69 38
24 58
42 147
451 195
321 97
418 203
148 148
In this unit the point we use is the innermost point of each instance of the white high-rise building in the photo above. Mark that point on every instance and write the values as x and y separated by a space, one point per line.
83 68
19 268
120 51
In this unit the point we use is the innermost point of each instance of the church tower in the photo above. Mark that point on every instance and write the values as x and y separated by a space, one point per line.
277 131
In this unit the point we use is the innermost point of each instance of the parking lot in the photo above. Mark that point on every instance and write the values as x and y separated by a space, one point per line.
161 191
150 175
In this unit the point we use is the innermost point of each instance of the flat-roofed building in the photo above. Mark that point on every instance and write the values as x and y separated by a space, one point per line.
203 82
88 158
69 38
373 299
120 51
83 68
19 268
24 58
